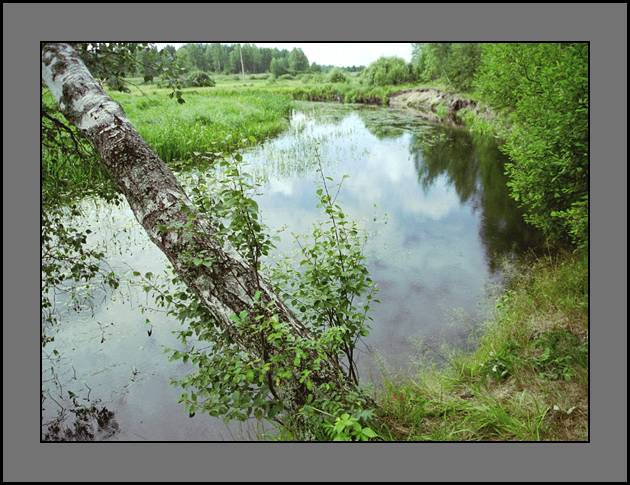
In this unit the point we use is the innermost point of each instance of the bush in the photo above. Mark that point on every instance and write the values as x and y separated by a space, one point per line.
337 76
387 71
118 84
544 87
313 78
199 79
286 76
452 63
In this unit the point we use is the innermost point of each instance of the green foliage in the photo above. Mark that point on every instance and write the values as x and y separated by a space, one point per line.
477 124
111 61
114 62
70 168
329 290
199 79
542 90
454 63
298 62
442 111
203 124
349 428
278 67
331 287
226 58
337 76
388 71
545 89
561 352
501 365
463 64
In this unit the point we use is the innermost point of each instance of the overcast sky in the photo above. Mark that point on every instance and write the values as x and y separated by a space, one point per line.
338 54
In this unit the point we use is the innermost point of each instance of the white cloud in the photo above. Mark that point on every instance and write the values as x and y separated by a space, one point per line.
281 186
337 53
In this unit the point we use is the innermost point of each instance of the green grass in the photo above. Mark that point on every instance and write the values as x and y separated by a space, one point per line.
528 378
206 121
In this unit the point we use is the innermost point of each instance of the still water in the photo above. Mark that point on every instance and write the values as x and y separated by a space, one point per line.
441 227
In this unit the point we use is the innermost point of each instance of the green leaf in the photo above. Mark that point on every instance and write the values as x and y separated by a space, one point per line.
369 432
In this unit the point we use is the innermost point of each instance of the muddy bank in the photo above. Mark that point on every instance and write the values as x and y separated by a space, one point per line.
435 105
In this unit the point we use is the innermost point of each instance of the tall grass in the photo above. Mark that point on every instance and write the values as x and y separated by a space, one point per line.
206 121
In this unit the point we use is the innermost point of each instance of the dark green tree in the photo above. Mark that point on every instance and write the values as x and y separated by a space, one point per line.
544 88
298 62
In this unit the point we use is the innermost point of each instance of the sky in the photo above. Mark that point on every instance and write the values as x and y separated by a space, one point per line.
338 54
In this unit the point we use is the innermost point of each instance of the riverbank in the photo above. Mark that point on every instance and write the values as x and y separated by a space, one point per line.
528 378
439 105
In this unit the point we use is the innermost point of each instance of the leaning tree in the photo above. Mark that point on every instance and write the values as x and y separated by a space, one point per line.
228 287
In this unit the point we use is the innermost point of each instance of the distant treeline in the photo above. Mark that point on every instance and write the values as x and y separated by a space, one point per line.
234 58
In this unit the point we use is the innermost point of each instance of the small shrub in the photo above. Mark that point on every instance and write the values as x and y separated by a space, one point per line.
337 76
349 428
387 71
199 79
502 363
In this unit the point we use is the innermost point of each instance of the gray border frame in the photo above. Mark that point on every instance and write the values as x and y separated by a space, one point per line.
603 459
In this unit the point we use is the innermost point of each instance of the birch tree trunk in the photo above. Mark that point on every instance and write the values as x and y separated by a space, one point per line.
159 201
240 50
